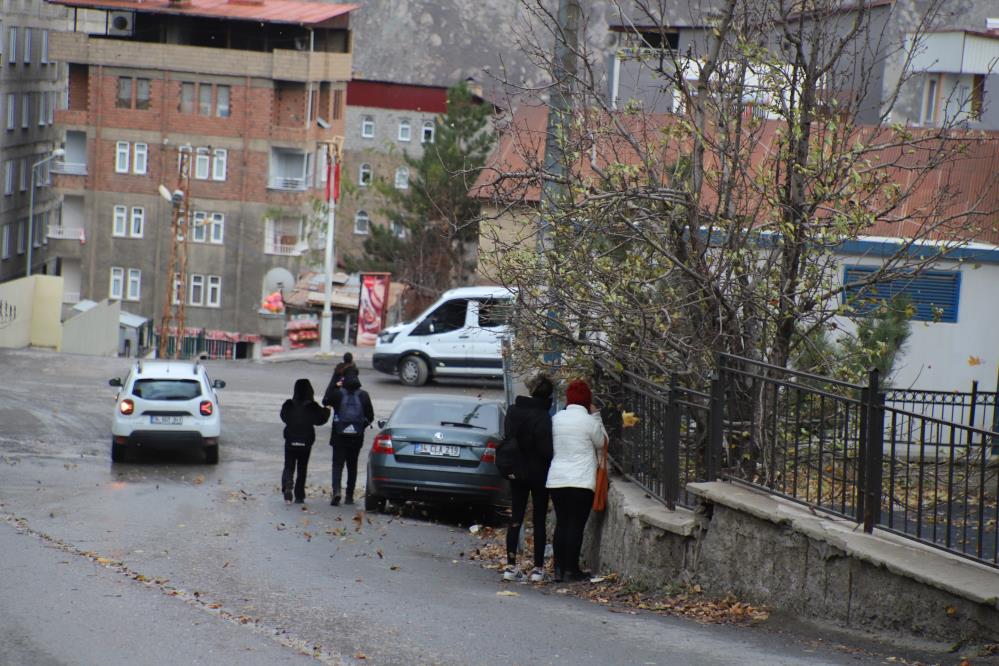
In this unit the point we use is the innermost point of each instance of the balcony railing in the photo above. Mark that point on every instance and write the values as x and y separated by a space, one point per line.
284 249
72 297
287 183
67 233
69 168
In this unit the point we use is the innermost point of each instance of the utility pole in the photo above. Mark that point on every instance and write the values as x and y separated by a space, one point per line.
173 313
333 152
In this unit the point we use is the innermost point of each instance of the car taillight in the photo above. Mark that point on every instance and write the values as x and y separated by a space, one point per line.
489 455
206 407
383 444
126 406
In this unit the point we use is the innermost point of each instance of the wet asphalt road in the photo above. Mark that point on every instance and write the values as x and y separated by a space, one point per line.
167 560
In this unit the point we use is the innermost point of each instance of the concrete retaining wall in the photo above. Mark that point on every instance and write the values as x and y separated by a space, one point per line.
778 554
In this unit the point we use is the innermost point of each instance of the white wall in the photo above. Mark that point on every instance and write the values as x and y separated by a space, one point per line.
945 356
93 332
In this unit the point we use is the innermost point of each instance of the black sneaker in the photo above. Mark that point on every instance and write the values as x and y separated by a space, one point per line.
299 500
349 500
335 501
287 496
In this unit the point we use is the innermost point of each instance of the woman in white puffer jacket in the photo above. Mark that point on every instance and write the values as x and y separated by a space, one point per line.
577 436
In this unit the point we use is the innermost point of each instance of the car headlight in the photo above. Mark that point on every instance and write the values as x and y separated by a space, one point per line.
387 337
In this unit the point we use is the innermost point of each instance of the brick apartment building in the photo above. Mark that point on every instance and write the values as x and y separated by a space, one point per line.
252 88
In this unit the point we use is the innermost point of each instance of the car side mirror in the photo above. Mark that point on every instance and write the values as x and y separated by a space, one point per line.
115 381
381 423
218 383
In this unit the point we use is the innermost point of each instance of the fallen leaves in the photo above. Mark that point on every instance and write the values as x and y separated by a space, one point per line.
507 593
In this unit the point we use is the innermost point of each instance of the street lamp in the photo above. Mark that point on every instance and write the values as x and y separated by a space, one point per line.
56 154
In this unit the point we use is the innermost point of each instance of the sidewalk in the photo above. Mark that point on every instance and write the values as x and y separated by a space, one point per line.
362 355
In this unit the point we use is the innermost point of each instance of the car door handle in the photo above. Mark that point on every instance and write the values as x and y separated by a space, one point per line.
463 337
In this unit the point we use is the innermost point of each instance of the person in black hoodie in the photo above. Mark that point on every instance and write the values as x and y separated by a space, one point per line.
529 422
301 414
353 414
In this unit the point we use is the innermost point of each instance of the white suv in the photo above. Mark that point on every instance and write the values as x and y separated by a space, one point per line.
166 404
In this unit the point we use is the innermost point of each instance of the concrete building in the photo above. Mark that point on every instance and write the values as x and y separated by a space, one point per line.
31 83
252 88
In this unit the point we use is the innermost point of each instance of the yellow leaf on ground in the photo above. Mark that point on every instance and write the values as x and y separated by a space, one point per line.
507 593
974 360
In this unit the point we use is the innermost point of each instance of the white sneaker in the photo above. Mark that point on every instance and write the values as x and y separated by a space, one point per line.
513 574
538 575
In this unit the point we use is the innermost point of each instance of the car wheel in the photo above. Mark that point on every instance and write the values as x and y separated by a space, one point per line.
212 454
374 503
117 452
413 371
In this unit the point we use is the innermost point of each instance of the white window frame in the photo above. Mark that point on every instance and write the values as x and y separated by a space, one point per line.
220 162
216 228
119 221
140 158
428 125
196 281
116 283
367 127
213 295
122 151
25 110
931 91
5 242
365 175
44 55
11 111
137 222
223 111
8 178
178 288
202 164
26 53
43 113
133 285
24 174
405 130
358 218
198 231
402 178
12 44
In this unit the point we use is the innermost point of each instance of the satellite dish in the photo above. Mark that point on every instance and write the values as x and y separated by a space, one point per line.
166 194
278 278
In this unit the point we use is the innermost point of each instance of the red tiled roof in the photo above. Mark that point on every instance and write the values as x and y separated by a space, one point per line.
297 12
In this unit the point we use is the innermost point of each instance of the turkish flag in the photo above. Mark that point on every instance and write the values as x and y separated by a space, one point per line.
336 183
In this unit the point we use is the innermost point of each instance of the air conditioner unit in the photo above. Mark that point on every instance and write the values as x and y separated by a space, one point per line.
121 24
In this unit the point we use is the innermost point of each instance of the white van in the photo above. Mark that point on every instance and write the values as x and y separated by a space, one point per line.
458 336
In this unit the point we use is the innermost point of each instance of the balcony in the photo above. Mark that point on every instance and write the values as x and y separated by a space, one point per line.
69 168
66 233
290 184
285 247
288 65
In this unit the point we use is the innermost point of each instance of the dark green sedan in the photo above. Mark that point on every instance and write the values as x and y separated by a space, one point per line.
438 449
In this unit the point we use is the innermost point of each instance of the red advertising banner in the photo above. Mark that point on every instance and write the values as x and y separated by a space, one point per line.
371 308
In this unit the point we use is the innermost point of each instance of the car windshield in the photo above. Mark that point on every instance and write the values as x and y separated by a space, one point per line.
482 415
166 389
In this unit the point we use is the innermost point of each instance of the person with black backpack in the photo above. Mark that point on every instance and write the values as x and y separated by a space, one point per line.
301 414
524 457
353 413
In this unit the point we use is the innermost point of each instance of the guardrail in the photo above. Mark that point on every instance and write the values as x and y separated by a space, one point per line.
285 183
67 233
69 168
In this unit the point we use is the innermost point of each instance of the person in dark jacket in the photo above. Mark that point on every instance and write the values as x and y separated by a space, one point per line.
353 413
528 422
341 370
301 414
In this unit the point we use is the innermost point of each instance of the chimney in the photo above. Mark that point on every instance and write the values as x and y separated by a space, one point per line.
474 86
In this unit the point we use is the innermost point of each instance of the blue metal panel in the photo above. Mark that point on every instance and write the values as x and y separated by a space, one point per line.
935 295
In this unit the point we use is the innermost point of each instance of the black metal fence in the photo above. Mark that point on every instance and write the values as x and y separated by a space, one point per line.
921 464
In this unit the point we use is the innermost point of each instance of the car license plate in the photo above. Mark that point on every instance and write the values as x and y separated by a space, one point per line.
438 450
165 420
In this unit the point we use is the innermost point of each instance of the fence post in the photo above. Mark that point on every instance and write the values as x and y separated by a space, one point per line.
671 452
874 407
715 420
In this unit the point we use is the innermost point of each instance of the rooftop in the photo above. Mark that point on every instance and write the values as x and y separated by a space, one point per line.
295 12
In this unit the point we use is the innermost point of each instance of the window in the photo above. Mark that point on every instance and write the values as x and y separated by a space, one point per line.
142 93
134 284
178 288
405 130
214 298
977 96
216 228
138 221
124 92
202 162
52 106
222 108
450 316
220 158
198 226
494 312
930 102
402 178
361 223
368 127
364 176
204 99
11 110
116 288
26 59
5 242
44 56
12 44
141 158
43 112
121 157
428 132
25 110
120 227
398 229
8 177
187 98
22 230
24 174
337 104
197 291
933 295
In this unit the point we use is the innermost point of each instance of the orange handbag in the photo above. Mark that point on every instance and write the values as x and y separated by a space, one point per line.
603 483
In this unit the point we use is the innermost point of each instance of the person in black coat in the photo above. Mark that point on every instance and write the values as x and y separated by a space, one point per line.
301 414
353 414
529 422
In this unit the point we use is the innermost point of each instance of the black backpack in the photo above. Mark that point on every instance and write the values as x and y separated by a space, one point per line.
510 460
350 415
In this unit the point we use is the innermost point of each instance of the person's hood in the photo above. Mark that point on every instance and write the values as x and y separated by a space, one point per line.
527 402
303 391
351 382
